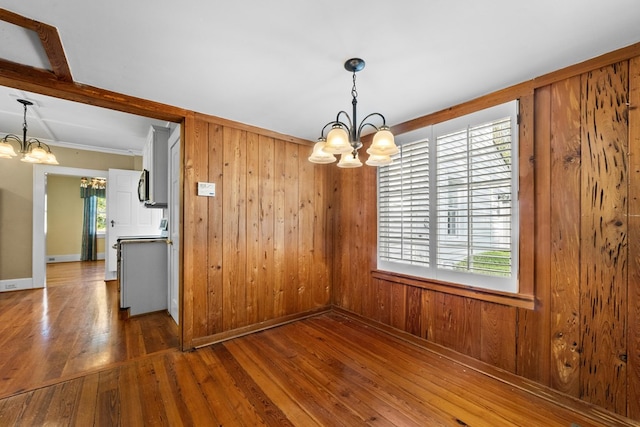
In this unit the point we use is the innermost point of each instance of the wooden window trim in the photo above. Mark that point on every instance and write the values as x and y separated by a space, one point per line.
518 300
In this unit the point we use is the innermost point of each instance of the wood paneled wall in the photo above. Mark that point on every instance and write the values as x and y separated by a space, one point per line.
258 252
583 338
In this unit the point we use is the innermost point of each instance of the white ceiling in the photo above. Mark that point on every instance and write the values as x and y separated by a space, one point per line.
279 64
70 124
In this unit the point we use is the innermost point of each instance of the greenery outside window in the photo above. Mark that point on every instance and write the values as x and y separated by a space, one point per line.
101 216
447 206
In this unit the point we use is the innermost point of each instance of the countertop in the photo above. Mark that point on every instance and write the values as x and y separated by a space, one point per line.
122 239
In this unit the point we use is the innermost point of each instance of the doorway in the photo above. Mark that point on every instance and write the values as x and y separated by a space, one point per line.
40 173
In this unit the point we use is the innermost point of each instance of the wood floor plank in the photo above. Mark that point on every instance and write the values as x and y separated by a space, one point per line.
35 412
131 403
467 385
63 402
196 410
367 401
323 409
327 370
441 382
436 401
277 391
108 403
390 402
72 327
153 405
232 405
210 388
321 398
85 410
12 408
271 414
172 401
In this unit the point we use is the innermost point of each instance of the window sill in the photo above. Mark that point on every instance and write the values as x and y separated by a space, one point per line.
513 300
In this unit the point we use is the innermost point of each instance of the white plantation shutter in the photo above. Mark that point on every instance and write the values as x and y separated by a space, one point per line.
403 206
453 216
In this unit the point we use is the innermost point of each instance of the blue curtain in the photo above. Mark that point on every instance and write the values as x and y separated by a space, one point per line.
90 190
89 235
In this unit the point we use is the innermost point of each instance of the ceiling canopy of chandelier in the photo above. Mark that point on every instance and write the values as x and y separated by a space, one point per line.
344 136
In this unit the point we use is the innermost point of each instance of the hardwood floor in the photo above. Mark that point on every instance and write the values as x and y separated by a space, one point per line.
71 328
327 370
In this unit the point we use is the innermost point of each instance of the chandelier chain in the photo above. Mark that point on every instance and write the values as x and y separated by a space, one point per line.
24 119
354 91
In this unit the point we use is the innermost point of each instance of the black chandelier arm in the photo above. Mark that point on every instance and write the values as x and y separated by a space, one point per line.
344 113
384 122
15 138
32 141
25 145
12 137
333 123
325 128
364 123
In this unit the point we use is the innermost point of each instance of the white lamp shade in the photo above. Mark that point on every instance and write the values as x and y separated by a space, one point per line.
6 150
348 161
378 160
51 159
38 153
319 155
383 143
337 141
28 158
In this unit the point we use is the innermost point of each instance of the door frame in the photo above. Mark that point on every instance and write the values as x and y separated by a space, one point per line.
175 221
39 238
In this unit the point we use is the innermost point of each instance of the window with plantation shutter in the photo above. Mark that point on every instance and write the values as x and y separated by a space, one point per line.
447 205
403 209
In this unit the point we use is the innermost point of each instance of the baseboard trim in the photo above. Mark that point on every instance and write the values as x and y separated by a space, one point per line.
10 285
52 259
268 324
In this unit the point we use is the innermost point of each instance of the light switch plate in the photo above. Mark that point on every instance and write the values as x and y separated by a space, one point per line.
207 189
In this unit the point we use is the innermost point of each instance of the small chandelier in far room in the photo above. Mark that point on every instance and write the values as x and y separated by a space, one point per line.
344 137
32 150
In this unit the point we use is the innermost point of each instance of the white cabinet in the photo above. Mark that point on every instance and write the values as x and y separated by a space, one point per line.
155 159
142 272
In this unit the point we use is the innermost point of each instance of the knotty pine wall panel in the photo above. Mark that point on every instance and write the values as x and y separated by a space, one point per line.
533 325
259 251
234 229
254 297
195 236
603 243
565 221
584 330
633 367
214 285
266 206
497 329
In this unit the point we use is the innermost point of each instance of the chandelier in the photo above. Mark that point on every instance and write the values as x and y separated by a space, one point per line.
32 150
345 133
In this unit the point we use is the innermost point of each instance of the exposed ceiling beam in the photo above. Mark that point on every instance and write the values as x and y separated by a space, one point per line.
50 40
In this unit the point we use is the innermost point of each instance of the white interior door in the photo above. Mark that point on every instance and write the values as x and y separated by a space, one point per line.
173 302
126 216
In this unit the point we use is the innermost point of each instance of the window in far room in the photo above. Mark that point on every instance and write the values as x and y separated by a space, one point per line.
101 215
